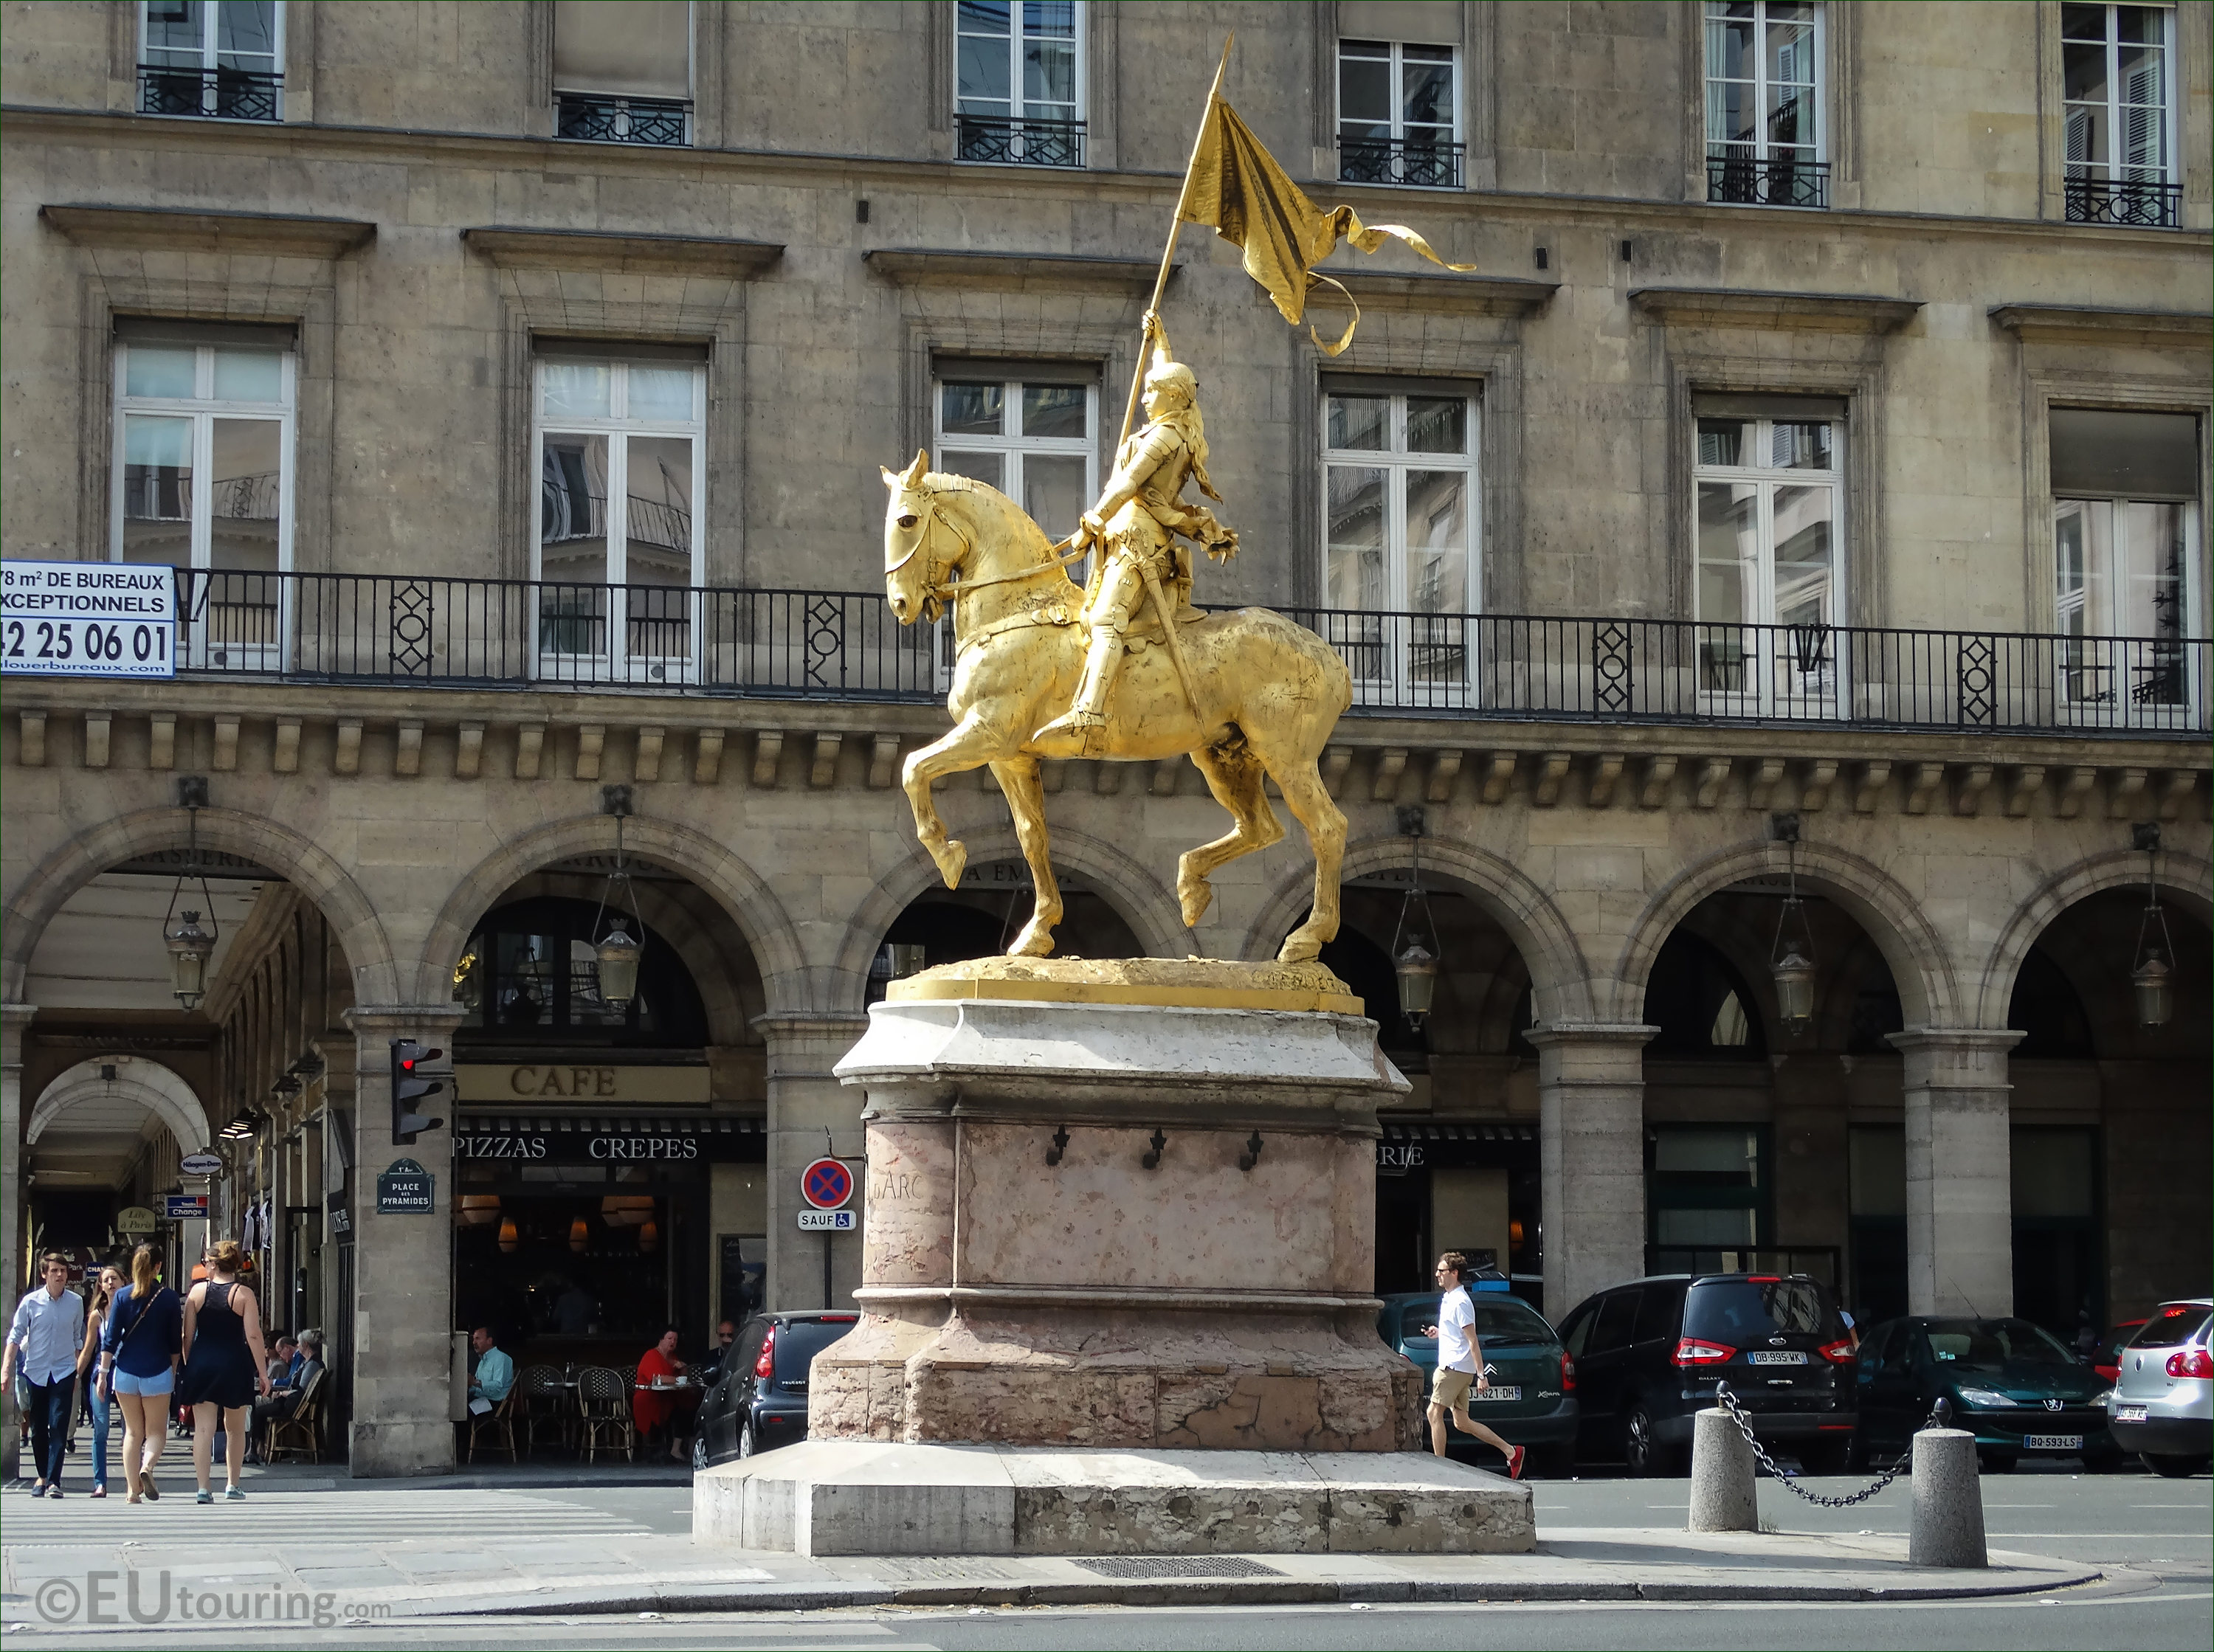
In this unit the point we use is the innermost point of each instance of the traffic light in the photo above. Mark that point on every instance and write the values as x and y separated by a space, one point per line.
412 1082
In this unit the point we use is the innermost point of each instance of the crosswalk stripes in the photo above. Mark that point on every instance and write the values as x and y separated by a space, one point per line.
352 1517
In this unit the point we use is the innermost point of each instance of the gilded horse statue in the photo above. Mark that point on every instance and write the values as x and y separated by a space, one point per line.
1261 699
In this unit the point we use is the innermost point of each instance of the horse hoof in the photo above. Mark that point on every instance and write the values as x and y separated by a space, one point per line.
1195 901
1298 951
952 861
1035 942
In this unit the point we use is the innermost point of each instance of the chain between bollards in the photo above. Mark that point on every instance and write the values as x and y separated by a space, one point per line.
1728 1402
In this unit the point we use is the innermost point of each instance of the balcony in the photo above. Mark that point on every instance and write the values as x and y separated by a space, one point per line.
995 141
1738 176
427 631
594 119
2145 204
216 94
1420 162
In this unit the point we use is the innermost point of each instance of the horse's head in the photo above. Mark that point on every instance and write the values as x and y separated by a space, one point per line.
911 519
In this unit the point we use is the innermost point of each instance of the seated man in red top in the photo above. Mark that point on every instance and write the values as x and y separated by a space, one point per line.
651 1411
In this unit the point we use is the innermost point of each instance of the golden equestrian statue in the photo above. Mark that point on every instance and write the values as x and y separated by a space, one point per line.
1127 670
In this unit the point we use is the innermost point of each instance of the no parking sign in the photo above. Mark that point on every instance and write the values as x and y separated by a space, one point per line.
826 1184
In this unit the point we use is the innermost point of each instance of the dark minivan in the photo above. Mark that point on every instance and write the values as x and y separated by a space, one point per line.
1649 1353
760 1401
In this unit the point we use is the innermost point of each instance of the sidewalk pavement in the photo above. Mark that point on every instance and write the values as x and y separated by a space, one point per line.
416 1550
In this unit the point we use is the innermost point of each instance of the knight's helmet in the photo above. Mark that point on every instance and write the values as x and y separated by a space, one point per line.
1171 374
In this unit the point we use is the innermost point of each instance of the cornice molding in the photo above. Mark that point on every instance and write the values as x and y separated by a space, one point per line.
515 247
1775 312
1507 296
2103 324
929 266
190 229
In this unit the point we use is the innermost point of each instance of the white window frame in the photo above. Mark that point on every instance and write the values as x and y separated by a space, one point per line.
2109 658
622 100
1760 84
1399 123
2111 163
208 52
1775 684
1382 657
196 646
1017 111
616 662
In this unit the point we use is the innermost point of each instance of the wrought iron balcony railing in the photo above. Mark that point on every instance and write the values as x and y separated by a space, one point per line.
2107 201
432 632
1025 143
1414 161
220 93
596 119
1736 175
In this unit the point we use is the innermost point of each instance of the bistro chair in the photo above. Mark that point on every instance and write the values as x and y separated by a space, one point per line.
546 1407
603 1396
299 1437
496 1427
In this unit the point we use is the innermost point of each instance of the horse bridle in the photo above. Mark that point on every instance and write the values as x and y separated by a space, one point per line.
933 591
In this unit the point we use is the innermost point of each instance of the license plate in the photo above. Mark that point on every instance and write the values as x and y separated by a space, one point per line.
1495 1392
2129 1413
1778 1359
2053 1441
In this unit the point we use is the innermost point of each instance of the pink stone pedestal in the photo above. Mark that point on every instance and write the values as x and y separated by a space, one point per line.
1095 1300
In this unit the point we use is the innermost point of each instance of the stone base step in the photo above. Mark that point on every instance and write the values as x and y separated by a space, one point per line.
856 1497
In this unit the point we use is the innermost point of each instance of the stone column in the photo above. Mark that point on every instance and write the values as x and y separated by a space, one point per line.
1591 1133
804 1099
1960 1197
15 1022
403 1263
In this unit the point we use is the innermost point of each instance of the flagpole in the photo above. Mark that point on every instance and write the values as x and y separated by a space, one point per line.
1176 228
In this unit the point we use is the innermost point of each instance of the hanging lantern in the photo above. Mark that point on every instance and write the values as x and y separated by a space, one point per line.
579 1232
1417 972
2155 992
618 951
2154 971
625 1210
649 1237
476 1210
507 1235
1791 958
190 947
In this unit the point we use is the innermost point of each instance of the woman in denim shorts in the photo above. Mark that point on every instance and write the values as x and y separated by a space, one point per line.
139 1364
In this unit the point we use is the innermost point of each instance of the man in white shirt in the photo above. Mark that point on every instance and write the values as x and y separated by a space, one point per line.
1460 1365
46 1337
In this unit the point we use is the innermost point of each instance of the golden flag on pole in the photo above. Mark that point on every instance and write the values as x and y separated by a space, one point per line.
1236 185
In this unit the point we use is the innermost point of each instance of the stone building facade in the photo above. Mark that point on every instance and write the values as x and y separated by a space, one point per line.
1809 505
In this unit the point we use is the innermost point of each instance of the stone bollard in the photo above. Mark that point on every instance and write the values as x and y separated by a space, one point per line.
1723 1497
1948 1502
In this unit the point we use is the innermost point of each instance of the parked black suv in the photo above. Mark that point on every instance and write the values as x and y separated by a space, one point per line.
1649 1353
759 1402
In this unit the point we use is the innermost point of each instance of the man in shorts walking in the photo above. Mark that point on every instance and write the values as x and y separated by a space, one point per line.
1460 1365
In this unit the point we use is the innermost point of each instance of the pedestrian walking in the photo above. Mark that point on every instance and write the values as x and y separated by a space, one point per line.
88 1373
225 1366
1460 1365
139 1347
43 1339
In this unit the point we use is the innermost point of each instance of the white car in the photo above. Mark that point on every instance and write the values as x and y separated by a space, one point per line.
2161 1406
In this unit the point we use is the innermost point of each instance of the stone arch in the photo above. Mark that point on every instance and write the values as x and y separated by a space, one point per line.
1912 946
2183 876
1560 977
300 860
149 1084
734 887
1137 896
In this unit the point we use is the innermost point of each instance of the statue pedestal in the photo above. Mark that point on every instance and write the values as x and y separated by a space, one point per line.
1191 1265
1118 1264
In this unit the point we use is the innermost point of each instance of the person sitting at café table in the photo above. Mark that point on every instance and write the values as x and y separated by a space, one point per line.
494 1375
651 1411
283 1361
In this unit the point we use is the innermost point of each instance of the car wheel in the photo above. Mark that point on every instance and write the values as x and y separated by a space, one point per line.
1993 1463
699 1451
1825 1457
747 1444
1641 1449
2172 1468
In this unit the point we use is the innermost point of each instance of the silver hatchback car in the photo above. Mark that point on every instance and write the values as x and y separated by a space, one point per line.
2162 1402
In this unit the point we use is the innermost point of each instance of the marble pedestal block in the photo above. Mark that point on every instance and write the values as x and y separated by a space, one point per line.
1119 1204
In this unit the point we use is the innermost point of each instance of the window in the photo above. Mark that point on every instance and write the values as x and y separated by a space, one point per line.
530 976
1401 520
221 58
2126 529
1707 1198
2118 113
622 71
1768 587
1765 140
203 481
617 599
1397 115
1018 82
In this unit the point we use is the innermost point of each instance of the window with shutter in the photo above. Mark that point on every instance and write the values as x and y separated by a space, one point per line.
2117 116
